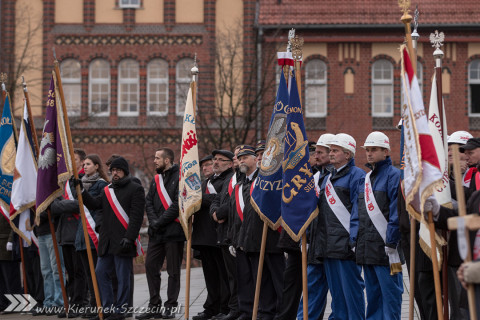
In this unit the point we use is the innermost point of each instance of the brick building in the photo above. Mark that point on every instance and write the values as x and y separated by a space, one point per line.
125 65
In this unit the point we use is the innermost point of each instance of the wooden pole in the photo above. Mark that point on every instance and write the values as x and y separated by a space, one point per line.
24 272
260 271
436 275
413 240
462 212
188 271
407 19
304 276
79 192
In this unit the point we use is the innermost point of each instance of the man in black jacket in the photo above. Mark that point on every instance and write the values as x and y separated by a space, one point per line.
122 205
204 239
166 235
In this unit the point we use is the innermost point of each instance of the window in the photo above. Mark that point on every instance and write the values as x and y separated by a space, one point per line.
315 88
128 89
129 3
382 89
184 76
157 87
474 87
420 76
72 85
99 88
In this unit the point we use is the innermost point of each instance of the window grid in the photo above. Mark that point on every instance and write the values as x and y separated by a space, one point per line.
129 3
72 85
157 87
182 83
99 88
128 88
474 88
315 88
382 89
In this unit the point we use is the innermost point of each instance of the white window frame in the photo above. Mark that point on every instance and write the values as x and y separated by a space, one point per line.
157 81
316 82
128 81
126 4
470 82
67 81
99 81
179 101
382 82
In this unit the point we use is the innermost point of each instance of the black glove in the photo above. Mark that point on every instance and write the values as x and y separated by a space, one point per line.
126 244
78 182
155 225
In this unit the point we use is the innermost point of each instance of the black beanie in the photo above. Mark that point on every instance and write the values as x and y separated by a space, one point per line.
120 163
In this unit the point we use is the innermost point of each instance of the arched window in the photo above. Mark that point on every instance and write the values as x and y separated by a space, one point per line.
420 76
382 89
99 88
474 87
184 76
157 87
315 88
72 85
128 88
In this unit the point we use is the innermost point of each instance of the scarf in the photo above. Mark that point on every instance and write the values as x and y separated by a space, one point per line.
88 181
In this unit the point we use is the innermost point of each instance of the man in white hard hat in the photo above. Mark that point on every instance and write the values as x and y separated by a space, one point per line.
377 237
337 204
460 138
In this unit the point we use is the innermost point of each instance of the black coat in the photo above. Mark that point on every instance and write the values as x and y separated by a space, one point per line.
68 220
221 206
204 227
111 231
169 229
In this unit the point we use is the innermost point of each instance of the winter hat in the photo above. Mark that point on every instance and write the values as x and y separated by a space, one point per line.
120 163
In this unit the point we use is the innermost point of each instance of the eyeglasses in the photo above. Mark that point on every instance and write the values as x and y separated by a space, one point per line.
115 170
222 160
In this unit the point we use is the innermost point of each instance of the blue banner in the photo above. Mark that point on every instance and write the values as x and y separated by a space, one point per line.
7 156
267 193
299 200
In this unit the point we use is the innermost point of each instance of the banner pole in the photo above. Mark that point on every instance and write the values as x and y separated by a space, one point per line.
260 271
304 276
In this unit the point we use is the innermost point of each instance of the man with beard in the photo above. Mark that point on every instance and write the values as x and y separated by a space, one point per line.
166 235
118 223
204 239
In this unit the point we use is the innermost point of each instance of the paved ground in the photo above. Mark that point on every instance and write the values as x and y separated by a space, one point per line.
197 296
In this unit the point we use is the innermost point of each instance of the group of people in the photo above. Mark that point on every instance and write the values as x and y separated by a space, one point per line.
355 246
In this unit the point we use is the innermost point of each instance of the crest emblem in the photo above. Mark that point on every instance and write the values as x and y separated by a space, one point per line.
47 155
272 157
298 143
193 181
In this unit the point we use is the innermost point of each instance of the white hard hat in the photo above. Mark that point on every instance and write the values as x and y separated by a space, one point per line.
377 139
345 141
460 137
325 139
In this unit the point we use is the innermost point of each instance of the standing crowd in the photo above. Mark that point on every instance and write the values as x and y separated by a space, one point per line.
355 246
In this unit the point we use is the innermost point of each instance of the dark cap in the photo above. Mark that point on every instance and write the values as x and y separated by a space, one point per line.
260 146
312 146
225 153
209 157
120 163
471 144
246 150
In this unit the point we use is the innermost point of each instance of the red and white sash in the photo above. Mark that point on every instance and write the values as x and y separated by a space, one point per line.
316 177
210 188
163 194
340 211
88 216
379 221
121 216
239 201
468 175
231 185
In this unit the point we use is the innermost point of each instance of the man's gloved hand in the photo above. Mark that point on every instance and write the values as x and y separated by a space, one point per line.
155 225
233 252
9 246
389 250
431 204
126 244
78 182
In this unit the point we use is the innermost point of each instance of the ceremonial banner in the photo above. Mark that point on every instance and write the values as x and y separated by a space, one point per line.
190 187
54 163
439 137
24 188
299 199
267 193
422 173
7 158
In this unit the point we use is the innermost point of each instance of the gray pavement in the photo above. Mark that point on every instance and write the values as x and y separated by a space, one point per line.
198 295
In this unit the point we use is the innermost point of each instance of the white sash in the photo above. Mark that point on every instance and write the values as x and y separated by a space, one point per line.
122 216
233 182
89 219
377 218
162 192
336 205
316 177
211 188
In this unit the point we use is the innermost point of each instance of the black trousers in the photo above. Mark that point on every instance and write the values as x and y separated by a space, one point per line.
88 275
76 284
34 275
231 269
245 283
156 255
271 285
9 281
216 282
292 287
